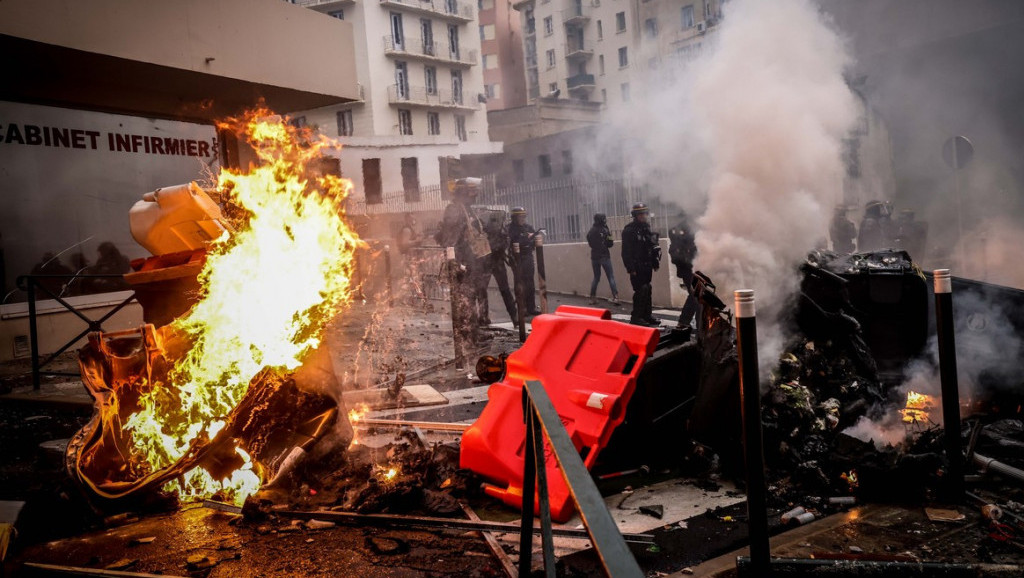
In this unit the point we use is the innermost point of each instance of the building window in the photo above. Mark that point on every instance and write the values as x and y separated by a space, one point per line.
339 14
487 32
404 121
551 58
624 87
457 86
623 57
433 123
490 61
553 90
566 162
427 36
531 22
485 4
600 31
430 79
345 127
651 27
453 41
460 127
687 17
600 64
545 165
397 32
620 22
518 171
451 6
411 179
492 90
402 80
549 27
371 181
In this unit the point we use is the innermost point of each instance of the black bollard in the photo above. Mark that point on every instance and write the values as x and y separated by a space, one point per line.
453 293
950 387
520 308
542 281
750 401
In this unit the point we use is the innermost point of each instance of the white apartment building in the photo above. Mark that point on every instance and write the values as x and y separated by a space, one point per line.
421 95
604 50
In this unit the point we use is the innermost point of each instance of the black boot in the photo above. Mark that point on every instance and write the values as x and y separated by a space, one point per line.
636 316
649 307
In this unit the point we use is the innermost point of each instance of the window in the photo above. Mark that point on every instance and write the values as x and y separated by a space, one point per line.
430 79
518 172
433 123
460 127
651 27
623 57
545 165
600 31
687 17
490 61
457 86
485 4
411 179
549 27
453 41
451 6
492 90
551 58
566 162
427 35
624 87
339 14
402 80
487 32
371 181
397 33
620 22
345 127
600 64
553 89
531 22
404 121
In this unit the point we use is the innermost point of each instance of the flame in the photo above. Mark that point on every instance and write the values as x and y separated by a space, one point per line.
386 474
917 408
355 415
269 289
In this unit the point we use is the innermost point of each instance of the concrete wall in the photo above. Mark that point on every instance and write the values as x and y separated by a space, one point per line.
56 325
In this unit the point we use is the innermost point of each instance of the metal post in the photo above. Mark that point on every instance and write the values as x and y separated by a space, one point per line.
948 377
542 283
453 294
750 398
33 336
520 306
387 273
529 473
959 209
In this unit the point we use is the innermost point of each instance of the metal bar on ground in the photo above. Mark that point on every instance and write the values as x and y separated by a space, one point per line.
950 387
426 425
750 403
608 541
547 542
56 570
395 520
874 568
492 543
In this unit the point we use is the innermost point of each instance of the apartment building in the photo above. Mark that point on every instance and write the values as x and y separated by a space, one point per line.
422 95
501 46
604 50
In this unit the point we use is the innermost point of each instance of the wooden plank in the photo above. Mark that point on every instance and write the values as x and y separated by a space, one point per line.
420 395
56 570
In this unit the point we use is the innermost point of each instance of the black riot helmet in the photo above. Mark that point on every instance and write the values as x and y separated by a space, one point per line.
600 219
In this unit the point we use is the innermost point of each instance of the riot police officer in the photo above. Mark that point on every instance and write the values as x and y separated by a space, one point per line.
519 232
876 231
641 255
461 229
842 231
682 250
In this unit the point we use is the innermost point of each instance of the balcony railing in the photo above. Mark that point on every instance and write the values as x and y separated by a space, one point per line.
314 3
581 82
578 51
450 9
435 51
421 96
576 15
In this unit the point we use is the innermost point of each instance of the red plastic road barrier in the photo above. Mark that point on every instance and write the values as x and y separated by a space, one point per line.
588 365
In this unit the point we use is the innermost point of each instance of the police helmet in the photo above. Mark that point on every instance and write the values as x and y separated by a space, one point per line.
518 211
600 218
639 208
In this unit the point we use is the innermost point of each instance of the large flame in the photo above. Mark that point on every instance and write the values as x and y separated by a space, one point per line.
917 408
269 287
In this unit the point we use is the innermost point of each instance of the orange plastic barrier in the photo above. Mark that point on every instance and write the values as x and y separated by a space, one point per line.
588 365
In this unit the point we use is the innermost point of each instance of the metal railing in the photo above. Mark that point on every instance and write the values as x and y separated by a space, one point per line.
582 81
578 50
421 96
444 8
543 423
576 14
417 48
29 284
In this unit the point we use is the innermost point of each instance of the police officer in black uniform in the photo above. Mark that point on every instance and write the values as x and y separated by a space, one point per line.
682 250
523 234
461 229
842 231
876 230
641 255
497 236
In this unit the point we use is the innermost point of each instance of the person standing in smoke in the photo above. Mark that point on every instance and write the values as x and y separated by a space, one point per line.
875 228
461 229
523 234
682 250
642 256
842 231
409 238
497 236
911 234
600 240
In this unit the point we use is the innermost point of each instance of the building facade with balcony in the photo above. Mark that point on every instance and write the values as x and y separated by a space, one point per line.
422 95
501 46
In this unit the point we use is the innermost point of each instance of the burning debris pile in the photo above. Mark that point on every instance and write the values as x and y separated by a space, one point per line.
213 404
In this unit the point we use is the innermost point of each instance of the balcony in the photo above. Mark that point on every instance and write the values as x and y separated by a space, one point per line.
416 49
323 4
445 9
576 16
575 51
581 82
419 96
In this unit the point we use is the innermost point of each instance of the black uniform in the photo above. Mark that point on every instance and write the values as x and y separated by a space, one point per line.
911 236
682 249
523 234
497 236
641 256
843 232
461 229
876 230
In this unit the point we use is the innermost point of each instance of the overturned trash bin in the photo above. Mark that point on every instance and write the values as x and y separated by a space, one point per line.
588 365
